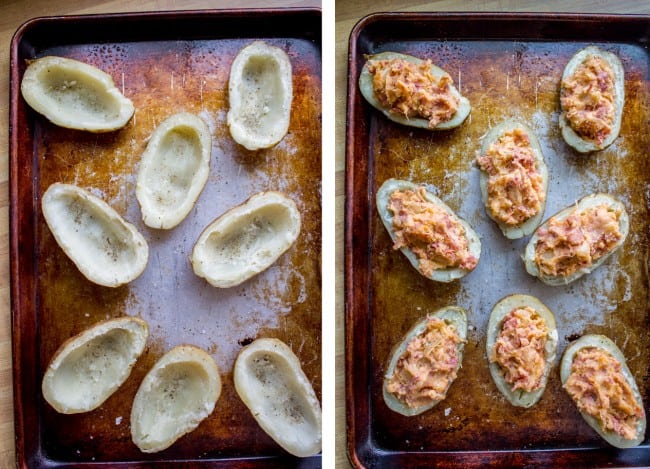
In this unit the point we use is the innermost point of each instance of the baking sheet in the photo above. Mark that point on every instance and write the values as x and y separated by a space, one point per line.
513 73
165 63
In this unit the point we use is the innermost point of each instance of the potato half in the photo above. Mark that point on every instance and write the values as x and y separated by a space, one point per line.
246 239
367 90
440 275
570 136
452 315
75 95
528 226
520 397
270 381
173 170
175 396
89 367
606 344
106 249
584 203
260 93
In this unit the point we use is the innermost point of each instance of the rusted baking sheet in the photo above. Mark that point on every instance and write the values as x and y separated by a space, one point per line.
165 63
508 65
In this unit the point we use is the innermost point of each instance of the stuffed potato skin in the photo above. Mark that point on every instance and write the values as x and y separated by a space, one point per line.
367 90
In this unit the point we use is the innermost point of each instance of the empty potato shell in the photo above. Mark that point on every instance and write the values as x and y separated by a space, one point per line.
270 381
179 392
89 367
173 170
260 93
106 249
246 239
75 95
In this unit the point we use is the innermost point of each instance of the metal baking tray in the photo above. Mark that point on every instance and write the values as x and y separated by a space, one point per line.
165 62
508 65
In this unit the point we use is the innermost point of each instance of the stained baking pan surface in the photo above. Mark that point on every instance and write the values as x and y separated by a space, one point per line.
508 66
165 63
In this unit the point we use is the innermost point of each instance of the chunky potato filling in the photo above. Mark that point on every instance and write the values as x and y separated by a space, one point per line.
428 366
413 91
436 237
576 242
515 185
520 349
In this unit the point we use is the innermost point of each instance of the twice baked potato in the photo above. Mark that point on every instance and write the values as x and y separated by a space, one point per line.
579 260
501 204
442 274
451 322
519 355
608 351
395 110
592 95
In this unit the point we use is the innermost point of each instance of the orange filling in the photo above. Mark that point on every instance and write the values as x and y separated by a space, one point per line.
412 90
520 349
435 236
428 366
588 98
599 389
515 185
576 242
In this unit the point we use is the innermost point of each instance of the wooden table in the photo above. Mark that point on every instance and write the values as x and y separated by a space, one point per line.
347 15
13 14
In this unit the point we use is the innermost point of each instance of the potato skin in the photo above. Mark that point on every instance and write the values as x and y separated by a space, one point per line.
266 372
39 96
138 333
73 214
161 389
226 261
259 117
159 208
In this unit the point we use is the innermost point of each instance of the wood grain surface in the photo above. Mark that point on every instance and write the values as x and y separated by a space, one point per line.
347 15
13 14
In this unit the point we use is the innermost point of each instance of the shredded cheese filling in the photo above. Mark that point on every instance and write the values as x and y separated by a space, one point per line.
412 90
434 235
576 242
428 366
515 185
520 349
599 389
588 98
